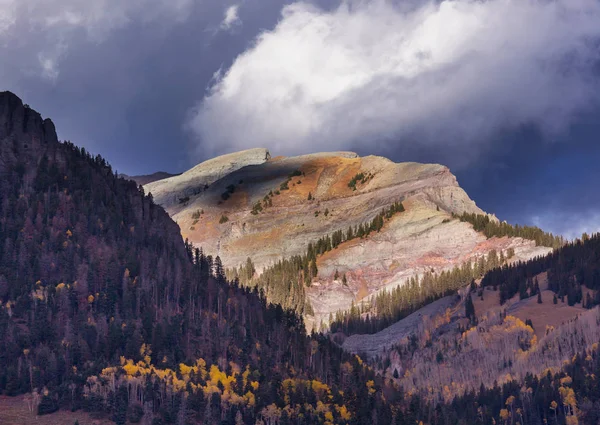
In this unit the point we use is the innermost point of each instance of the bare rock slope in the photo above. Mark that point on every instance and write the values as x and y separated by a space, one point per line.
215 204
169 191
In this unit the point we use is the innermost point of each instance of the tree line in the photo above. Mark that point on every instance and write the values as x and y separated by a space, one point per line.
490 228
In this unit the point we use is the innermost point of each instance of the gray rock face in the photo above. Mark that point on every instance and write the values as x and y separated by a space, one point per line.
169 191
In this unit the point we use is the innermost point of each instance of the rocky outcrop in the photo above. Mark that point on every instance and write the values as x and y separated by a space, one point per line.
21 122
171 191
414 242
24 134
312 198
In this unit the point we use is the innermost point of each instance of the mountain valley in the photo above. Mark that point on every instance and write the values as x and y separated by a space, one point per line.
320 289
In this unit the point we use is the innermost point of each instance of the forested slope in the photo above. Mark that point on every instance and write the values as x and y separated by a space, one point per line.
104 307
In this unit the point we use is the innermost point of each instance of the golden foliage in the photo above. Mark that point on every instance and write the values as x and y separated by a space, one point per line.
510 400
343 412
567 380
182 380
184 369
371 387
250 399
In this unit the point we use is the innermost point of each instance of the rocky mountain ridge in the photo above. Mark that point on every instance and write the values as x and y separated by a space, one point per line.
249 205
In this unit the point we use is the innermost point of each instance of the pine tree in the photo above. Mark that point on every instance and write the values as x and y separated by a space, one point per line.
523 290
529 323
588 301
219 271
349 233
120 406
250 270
469 309
313 269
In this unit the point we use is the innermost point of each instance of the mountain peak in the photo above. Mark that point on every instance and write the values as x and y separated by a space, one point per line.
247 205
22 123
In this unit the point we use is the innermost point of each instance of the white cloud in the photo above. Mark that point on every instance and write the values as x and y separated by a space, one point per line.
49 65
7 15
454 71
97 18
231 17
46 28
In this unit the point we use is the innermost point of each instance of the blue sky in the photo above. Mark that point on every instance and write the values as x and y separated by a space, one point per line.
503 92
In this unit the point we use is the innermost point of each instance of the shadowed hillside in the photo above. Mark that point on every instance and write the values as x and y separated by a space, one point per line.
105 308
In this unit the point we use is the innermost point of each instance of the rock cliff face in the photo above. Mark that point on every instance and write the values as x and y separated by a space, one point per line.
213 203
23 132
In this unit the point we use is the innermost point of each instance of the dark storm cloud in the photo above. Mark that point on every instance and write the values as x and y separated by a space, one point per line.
457 72
119 77
503 92
552 185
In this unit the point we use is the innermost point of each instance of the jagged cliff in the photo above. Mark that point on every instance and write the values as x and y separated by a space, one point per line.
23 132
248 204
